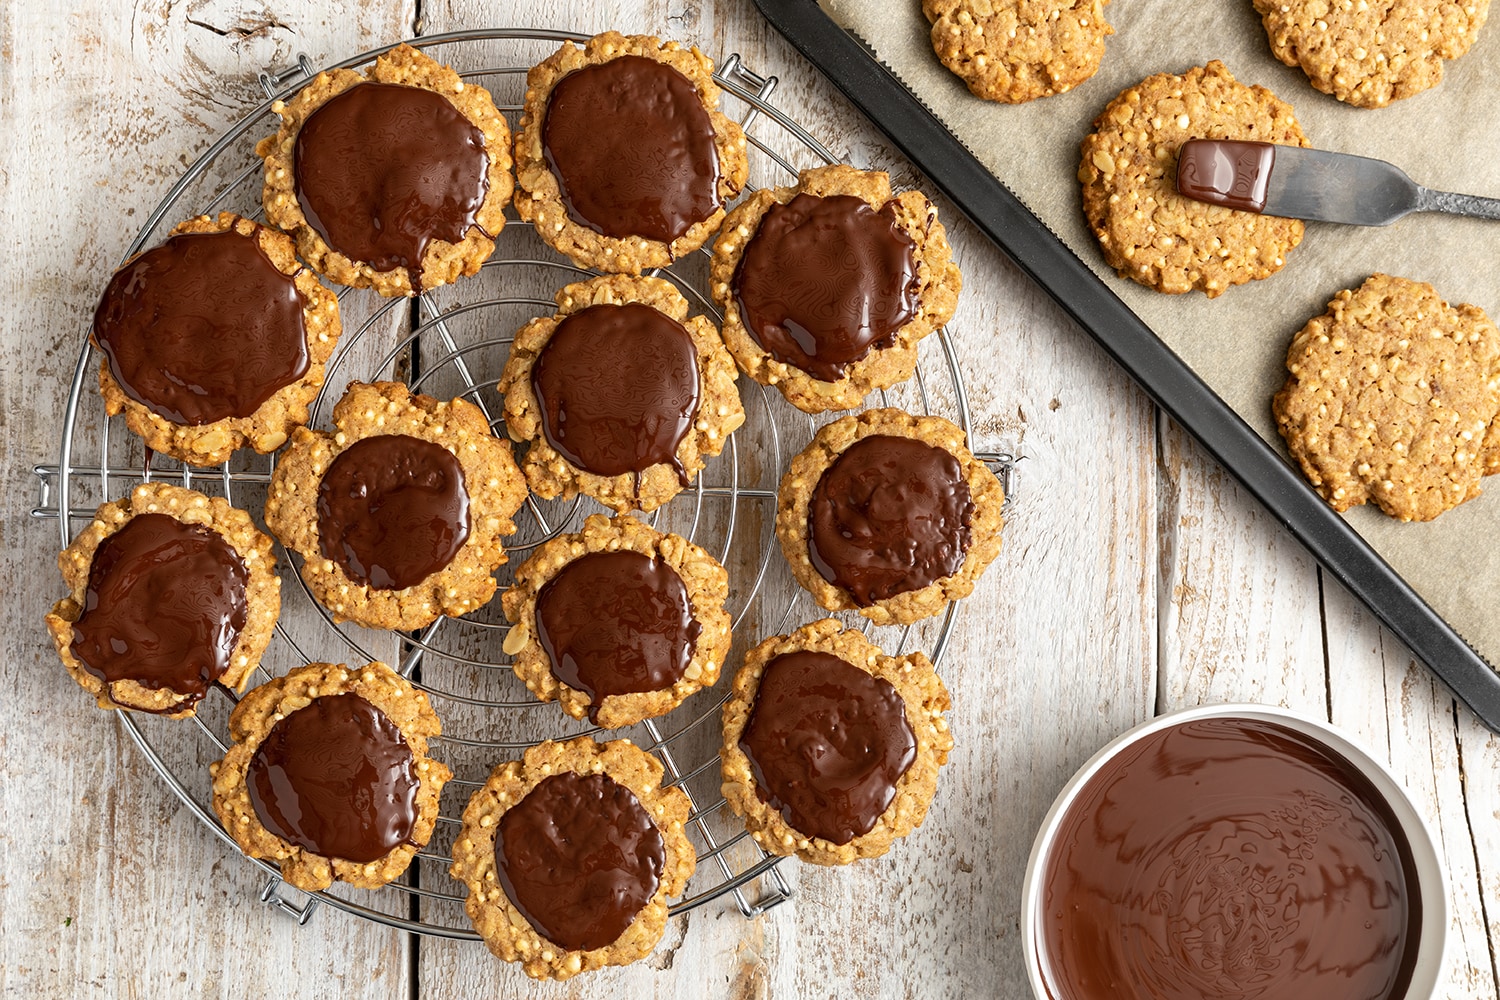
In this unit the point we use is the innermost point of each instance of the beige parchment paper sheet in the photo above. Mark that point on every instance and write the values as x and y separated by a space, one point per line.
1447 138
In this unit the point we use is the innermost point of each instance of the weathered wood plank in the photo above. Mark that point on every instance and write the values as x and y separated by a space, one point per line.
1240 617
108 885
1054 653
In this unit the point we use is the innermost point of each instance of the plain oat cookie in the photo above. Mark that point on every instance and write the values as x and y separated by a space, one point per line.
1147 231
1018 50
1392 398
1369 53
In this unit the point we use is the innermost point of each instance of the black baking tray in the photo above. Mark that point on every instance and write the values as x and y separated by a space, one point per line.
1001 216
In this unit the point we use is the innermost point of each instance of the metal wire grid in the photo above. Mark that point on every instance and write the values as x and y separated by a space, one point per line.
449 340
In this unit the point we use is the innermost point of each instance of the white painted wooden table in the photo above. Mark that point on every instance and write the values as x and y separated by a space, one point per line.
1136 577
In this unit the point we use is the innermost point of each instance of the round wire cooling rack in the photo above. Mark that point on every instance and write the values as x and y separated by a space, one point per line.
453 341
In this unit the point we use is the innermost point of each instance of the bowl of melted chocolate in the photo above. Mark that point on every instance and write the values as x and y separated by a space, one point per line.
1240 852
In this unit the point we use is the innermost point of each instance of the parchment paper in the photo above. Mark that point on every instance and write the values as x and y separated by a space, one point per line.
1447 138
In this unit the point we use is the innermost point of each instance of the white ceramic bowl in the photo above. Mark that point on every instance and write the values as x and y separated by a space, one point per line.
1432 880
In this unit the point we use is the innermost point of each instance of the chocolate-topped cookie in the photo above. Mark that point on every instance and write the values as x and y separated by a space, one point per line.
620 394
623 160
618 622
828 286
831 748
395 180
214 339
889 514
329 775
170 593
398 514
570 855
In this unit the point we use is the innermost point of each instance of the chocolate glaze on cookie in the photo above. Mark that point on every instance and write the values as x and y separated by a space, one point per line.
618 388
827 744
579 857
632 149
336 778
889 516
393 510
165 607
383 169
202 328
616 623
1229 858
825 280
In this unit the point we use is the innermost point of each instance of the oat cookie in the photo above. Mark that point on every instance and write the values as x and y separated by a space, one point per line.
398 514
1019 50
380 220
275 792
253 362
1369 53
623 160
889 514
1148 232
539 818
893 740
609 575
627 448
143 633
874 358
1392 398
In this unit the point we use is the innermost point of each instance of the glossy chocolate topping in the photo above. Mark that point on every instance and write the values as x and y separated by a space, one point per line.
579 857
824 280
1229 858
618 388
202 327
165 607
616 623
827 744
382 170
393 510
1232 174
890 515
336 778
632 149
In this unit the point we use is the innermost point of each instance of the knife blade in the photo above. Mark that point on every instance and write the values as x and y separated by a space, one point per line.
1312 184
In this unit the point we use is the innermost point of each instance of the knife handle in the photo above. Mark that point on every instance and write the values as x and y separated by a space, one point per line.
1458 204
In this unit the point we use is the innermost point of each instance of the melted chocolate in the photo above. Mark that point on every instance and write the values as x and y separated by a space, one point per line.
579 857
618 389
336 778
1232 174
1229 858
393 510
202 327
827 744
382 170
890 515
616 623
165 607
825 280
632 149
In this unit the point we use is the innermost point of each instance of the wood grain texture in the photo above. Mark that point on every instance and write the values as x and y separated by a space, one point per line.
1135 577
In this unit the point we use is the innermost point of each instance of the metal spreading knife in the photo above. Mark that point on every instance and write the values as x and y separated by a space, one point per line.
1312 184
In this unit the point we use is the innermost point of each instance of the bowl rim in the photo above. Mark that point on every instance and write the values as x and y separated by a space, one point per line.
1431 872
